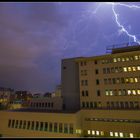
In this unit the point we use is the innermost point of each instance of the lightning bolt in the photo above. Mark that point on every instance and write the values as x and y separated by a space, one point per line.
123 29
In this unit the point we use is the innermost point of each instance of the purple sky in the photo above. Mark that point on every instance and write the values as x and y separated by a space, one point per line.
34 37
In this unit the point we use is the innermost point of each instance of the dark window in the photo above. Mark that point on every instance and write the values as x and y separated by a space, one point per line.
65 128
114 81
83 104
41 125
45 104
28 126
48 104
71 128
112 104
95 62
97 81
51 104
82 82
87 104
24 124
32 125
108 70
96 71
39 104
104 70
122 104
131 105
86 92
105 81
55 127
117 104
37 125
86 82
60 128
42 104
20 124
9 123
83 93
50 127
98 93
46 126
64 68
16 124
81 63
13 123
126 105
91 104
95 104
85 63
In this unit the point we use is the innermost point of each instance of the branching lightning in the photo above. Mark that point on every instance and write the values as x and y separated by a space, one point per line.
123 29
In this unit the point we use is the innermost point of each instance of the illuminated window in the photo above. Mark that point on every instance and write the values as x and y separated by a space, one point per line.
111 133
111 92
131 80
134 92
102 133
129 92
120 92
127 58
138 67
125 69
123 59
114 60
126 80
138 92
93 132
121 134
119 59
97 133
129 69
88 132
116 134
107 92
136 80
134 68
131 135
136 57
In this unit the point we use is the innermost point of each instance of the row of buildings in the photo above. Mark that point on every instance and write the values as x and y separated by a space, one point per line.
100 97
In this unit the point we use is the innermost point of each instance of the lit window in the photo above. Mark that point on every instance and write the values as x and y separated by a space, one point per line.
78 131
136 80
129 69
97 132
138 91
138 67
134 92
131 80
114 60
136 57
134 68
111 92
123 59
93 132
111 133
116 134
88 132
102 133
129 92
121 134
127 59
119 59
131 135
125 69
106 92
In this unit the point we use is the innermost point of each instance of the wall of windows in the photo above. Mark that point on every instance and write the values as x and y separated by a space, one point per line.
121 80
97 133
122 92
90 105
42 104
121 59
67 128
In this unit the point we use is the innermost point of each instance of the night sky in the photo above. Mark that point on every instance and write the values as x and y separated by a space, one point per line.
34 37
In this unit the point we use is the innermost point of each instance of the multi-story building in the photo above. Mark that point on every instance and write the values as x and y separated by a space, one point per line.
101 98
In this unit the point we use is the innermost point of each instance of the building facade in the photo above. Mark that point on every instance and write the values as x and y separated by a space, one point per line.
101 97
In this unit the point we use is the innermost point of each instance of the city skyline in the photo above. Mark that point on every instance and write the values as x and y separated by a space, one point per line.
36 36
